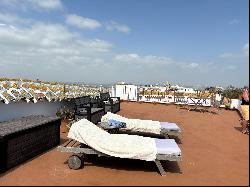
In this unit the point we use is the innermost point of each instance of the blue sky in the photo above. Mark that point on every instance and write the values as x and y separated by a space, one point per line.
186 42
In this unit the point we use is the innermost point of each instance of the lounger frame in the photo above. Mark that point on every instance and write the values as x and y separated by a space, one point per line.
79 150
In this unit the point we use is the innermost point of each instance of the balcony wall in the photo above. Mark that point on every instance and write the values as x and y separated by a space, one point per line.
22 108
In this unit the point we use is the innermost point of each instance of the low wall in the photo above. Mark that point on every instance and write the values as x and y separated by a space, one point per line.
22 108
235 103
177 100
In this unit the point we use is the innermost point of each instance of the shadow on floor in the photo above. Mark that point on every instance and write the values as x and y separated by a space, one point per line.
238 128
176 138
130 164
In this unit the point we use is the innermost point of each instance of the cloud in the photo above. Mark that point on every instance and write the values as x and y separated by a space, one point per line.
88 23
49 45
126 57
12 4
47 4
112 25
135 58
192 65
234 21
24 5
13 19
96 45
231 67
82 22
233 56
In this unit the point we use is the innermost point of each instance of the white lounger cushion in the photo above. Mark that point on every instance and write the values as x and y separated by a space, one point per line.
117 145
121 145
147 126
169 126
167 146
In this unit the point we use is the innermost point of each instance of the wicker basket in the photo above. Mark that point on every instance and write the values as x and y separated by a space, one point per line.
24 138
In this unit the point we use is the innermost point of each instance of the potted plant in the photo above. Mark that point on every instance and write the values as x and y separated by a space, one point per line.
227 106
67 115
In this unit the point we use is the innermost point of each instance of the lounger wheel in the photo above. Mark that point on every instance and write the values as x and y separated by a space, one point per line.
75 162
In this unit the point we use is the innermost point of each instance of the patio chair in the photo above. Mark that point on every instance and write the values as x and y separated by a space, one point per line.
97 102
84 108
86 138
112 104
140 127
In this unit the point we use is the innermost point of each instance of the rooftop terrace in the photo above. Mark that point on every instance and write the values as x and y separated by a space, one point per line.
214 152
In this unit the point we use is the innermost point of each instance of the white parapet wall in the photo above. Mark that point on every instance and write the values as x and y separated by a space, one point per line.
177 100
235 104
22 108
163 99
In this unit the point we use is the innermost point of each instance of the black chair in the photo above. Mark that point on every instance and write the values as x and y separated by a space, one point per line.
97 102
89 108
112 104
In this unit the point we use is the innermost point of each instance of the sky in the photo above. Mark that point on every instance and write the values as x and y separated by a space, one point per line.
184 42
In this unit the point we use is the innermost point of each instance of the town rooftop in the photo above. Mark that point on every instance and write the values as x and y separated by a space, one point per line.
214 152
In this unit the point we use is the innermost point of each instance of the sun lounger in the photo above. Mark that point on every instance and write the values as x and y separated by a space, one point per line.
140 127
86 138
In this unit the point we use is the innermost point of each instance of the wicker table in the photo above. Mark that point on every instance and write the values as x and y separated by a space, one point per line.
24 138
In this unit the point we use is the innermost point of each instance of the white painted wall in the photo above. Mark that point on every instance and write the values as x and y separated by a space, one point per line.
125 92
177 100
235 104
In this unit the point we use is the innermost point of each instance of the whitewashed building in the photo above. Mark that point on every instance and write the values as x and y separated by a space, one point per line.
181 89
125 91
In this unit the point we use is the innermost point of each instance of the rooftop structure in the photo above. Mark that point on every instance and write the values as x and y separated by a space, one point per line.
125 91
210 155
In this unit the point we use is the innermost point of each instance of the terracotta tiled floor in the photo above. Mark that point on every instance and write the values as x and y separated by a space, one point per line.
214 152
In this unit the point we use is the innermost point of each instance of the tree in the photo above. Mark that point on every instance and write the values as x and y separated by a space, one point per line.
231 92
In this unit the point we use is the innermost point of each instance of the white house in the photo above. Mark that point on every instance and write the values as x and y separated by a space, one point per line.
185 90
125 91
